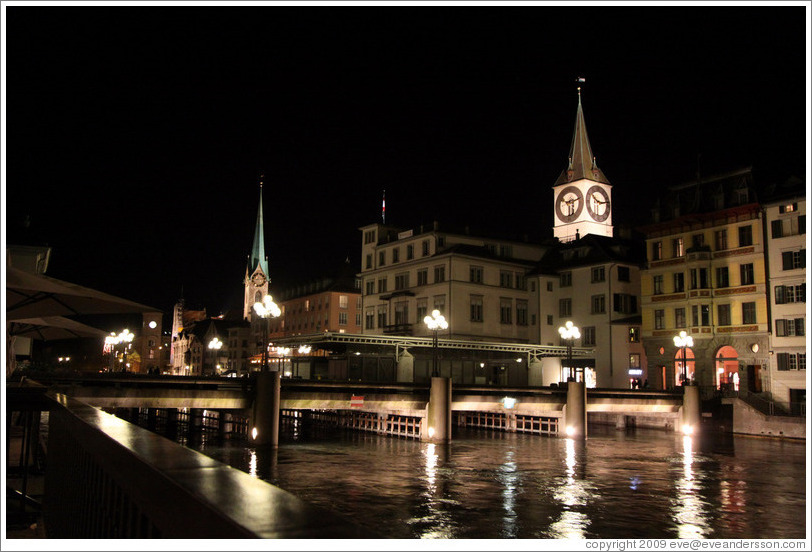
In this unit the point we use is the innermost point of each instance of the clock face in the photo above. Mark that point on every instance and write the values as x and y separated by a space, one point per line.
258 279
597 203
569 204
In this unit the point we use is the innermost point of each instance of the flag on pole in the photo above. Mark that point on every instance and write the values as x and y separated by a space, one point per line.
383 208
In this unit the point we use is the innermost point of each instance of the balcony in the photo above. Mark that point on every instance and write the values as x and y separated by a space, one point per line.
398 329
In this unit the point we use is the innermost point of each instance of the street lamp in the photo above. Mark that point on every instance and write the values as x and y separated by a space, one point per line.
569 332
114 339
267 309
214 345
682 341
435 323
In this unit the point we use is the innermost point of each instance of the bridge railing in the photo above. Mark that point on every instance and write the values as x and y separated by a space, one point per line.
107 478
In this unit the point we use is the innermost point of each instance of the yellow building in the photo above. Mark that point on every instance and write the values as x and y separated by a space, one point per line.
706 276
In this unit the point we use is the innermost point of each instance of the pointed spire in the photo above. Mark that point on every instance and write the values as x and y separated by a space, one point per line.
582 164
258 257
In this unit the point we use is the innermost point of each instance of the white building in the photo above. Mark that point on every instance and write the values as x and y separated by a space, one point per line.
785 221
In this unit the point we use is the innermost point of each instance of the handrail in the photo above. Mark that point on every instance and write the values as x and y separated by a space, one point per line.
111 479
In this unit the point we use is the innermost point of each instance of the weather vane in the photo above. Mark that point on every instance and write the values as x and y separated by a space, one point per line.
580 80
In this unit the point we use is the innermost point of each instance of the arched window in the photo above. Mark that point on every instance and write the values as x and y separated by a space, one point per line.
258 297
727 368
684 368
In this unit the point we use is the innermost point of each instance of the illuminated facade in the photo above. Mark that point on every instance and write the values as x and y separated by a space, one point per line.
785 221
706 275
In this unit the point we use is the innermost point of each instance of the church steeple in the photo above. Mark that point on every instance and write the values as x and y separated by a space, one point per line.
582 164
258 258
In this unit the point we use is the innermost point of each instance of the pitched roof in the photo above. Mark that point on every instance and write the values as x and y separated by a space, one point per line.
582 164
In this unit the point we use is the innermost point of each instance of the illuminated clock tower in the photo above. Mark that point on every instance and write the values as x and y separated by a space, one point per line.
582 194
256 271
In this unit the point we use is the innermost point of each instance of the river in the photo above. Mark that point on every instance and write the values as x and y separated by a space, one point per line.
493 485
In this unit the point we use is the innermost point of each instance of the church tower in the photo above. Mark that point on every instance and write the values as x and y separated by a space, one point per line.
582 193
256 271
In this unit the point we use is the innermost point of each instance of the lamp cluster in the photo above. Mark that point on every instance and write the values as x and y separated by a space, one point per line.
267 308
569 331
436 321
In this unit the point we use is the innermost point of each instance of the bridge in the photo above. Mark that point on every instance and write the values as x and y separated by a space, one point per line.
382 407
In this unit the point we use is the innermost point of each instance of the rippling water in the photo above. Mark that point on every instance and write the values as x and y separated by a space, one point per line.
637 483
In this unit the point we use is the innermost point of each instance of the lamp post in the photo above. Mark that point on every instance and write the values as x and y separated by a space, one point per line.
114 339
569 332
435 323
214 345
682 341
266 309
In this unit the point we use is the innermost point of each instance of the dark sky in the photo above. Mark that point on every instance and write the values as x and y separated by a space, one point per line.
135 135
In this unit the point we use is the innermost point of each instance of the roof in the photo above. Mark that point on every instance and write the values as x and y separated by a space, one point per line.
258 258
591 250
582 164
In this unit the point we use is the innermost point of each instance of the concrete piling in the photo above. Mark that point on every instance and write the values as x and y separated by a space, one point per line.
437 428
264 428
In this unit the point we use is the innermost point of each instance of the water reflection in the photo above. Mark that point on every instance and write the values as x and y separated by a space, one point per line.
508 476
252 464
573 495
689 509
437 523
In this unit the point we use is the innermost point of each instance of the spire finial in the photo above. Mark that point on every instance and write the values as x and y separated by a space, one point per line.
261 179
580 80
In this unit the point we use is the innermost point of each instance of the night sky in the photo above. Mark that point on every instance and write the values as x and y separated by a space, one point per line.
136 135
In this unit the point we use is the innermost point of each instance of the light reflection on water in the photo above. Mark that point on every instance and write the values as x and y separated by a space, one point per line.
484 484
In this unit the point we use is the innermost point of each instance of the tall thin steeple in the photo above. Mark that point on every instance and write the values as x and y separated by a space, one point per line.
258 257
582 164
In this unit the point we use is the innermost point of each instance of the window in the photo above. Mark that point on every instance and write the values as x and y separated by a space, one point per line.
402 280
656 251
401 312
634 360
678 246
791 361
342 318
723 315
369 319
565 307
370 288
588 337
521 281
679 317
634 334
623 274
777 228
369 261
549 286
699 278
697 240
722 277
476 308
745 235
658 284
788 208
549 319
382 316
381 258
793 259
369 236
790 294
505 308
422 309
786 327
475 274
598 304
426 247
382 285
358 303
505 279
749 313
679 282
505 250
700 315
441 241
659 319
566 279
410 252
746 271
395 255
439 274
357 319
598 274
721 240
521 313
625 303
423 277
343 301
439 303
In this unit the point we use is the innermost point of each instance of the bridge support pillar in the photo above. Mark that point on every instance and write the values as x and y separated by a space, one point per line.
223 423
576 410
437 428
691 410
172 423
264 428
